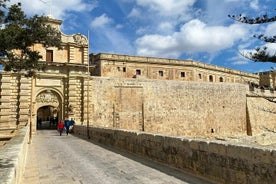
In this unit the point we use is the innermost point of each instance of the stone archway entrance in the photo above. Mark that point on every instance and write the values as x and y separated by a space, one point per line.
48 106
47 117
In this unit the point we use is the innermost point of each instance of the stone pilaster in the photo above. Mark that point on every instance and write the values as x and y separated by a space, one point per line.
9 95
25 99
85 55
71 53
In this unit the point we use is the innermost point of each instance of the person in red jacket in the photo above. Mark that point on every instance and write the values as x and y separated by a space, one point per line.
60 127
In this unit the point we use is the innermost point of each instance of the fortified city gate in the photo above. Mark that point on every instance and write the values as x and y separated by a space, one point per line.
166 96
48 109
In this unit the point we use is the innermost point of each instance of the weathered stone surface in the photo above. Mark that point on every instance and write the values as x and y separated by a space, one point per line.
234 164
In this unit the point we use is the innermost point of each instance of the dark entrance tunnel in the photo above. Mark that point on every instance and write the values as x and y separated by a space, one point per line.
47 118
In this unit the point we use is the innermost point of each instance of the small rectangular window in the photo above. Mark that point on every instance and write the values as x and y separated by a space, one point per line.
138 72
182 74
124 69
49 56
161 73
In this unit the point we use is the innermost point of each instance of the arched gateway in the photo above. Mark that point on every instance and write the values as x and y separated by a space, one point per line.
48 108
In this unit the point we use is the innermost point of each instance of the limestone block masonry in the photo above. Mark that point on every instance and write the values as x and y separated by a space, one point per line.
169 107
217 161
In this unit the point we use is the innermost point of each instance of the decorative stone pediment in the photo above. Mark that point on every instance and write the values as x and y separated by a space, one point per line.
47 97
80 39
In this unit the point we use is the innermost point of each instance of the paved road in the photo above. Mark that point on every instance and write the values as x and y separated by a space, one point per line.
54 159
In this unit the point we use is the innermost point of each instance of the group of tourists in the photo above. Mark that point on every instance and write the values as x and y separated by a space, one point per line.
67 125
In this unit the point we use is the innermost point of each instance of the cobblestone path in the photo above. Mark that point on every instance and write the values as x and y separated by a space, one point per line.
54 159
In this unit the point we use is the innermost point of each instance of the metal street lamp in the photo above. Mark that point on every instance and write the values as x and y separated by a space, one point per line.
88 78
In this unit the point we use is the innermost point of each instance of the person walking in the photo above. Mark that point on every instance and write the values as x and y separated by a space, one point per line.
71 123
60 127
67 125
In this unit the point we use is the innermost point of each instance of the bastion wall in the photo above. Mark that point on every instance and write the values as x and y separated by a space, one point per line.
217 161
169 107
261 114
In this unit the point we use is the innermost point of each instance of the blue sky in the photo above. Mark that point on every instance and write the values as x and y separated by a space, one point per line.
182 29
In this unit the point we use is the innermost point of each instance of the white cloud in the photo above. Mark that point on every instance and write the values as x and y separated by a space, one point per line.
135 12
254 4
58 9
271 48
114 41
270 29
119 26
238 60
157 45
165 27
167 7
194 36
100 21
142 30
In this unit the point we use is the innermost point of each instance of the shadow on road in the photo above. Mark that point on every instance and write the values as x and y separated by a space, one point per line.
177 173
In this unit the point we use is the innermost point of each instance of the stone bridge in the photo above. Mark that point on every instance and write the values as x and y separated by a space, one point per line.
118 156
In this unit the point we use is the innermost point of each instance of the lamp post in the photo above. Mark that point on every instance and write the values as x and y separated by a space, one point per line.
49 2
88 78
31 109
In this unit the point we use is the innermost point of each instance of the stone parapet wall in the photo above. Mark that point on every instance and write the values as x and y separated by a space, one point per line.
217 161
13 157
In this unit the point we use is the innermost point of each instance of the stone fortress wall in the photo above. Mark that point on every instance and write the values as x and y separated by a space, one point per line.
180 108
176 97
168 97
169 107
177 108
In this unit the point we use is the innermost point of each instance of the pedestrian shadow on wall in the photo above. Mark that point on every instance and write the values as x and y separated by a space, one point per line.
177 173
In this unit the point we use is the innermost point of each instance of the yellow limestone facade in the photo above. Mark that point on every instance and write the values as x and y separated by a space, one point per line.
158 95
50 93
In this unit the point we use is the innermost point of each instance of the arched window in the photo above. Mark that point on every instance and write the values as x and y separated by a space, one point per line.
211 78
221 79
199 76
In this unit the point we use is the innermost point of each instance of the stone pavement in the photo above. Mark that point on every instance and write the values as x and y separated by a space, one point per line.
54 159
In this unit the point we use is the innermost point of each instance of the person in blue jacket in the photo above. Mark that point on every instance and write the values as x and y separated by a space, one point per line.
67 125
72 123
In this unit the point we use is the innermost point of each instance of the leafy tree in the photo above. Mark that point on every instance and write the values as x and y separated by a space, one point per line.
18 34
260 54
